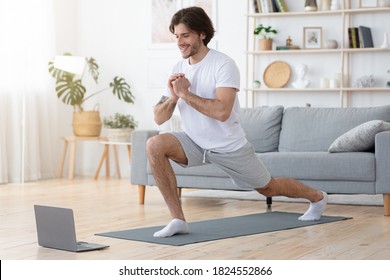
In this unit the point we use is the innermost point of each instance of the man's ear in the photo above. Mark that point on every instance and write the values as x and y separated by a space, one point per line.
202 36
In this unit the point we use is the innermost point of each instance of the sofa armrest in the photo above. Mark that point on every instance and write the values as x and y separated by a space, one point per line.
138 175
382 157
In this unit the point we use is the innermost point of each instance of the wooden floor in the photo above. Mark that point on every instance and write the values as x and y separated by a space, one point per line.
112 204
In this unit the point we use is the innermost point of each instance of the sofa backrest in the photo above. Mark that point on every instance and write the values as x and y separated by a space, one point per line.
262 127
307 129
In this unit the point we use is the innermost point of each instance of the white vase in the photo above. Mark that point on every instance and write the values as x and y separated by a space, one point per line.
310 6
324 83
384 3
325 5
335 5
385 43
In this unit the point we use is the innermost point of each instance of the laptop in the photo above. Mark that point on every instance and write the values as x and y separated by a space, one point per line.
56 229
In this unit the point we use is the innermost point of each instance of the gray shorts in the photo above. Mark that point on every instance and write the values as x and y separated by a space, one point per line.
243 167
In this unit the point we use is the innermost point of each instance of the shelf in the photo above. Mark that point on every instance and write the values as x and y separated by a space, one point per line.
317 51
291 89
292 14
342 57
376 89
300 51
367 50
367 10
381 89
321 13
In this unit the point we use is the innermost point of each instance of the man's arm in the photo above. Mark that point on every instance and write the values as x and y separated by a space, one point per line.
163 110
219 108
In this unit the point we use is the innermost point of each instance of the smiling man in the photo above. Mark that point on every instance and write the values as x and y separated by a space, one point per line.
204 87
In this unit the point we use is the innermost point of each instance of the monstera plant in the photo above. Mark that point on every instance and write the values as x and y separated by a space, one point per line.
70 89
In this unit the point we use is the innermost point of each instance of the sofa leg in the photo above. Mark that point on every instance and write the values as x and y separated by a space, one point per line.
178 192
269 204
141 194
386 204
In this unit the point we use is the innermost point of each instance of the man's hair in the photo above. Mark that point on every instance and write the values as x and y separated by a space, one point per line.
196 19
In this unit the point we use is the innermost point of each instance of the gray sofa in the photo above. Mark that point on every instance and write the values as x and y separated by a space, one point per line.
337 150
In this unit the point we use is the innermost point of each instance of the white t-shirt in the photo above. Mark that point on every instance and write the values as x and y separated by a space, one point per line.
214 70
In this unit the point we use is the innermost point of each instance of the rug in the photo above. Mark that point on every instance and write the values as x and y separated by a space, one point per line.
343 199
216 229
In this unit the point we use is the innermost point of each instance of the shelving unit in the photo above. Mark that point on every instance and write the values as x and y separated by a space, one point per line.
345 14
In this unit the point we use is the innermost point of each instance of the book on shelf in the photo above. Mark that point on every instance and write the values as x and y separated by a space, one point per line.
350 39
365 37
270 6
257 6
356 38
274 6
353 38
281 5
266 6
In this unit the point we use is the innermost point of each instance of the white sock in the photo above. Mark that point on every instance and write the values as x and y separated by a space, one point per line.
315 210
176 226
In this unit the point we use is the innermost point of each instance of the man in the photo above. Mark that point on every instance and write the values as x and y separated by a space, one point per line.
204 86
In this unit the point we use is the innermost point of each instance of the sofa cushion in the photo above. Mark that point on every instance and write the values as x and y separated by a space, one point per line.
262 127
307 129
360 138
321 166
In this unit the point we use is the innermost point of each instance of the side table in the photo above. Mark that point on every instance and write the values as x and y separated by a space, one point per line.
106 157
72 140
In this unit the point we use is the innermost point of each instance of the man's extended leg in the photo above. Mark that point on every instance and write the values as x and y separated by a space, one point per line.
160 149
295 189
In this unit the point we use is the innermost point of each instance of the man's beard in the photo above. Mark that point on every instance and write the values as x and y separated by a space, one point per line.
193 50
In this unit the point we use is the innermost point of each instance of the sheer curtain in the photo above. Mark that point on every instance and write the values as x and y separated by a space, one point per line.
28 118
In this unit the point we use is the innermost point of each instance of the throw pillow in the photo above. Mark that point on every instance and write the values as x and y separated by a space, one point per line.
262 127
360 138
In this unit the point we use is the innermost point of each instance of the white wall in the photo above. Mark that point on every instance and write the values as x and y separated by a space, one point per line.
117 34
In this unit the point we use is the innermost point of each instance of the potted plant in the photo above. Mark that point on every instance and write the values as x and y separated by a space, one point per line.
71 91
266 34
119 127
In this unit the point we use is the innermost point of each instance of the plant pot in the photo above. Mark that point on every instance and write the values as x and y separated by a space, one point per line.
119 134
265 44
87 123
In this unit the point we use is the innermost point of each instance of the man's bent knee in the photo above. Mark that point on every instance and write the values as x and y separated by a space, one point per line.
165 145
267 190
152 145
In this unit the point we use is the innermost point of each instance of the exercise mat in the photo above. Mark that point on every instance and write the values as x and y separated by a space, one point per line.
209 230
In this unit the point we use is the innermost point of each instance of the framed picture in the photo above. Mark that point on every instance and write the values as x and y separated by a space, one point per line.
161 12
312 37
367 3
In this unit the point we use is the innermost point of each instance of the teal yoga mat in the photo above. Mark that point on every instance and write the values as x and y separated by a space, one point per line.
223 228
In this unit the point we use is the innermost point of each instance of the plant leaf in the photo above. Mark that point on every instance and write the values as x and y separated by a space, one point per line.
121 89
57 73
70 91
93 69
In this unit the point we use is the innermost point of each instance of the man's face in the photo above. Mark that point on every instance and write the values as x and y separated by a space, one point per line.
188 41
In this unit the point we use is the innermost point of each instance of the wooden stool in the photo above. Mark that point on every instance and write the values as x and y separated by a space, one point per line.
72 157
106 157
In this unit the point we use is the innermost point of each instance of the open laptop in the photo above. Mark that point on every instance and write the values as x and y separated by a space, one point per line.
56 229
